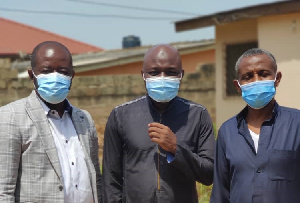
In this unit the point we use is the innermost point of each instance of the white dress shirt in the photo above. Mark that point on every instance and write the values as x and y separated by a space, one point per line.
77 186
255 138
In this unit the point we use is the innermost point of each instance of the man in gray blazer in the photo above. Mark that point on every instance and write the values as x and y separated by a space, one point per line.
48 148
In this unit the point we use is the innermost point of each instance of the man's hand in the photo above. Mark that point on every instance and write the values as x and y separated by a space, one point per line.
163 136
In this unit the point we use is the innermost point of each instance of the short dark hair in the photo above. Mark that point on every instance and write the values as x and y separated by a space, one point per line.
255 52
37 48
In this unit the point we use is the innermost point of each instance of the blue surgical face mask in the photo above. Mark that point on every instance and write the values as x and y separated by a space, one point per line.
53 87
259 93
162 89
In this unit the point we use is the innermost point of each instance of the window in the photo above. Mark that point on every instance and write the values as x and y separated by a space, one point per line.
233 52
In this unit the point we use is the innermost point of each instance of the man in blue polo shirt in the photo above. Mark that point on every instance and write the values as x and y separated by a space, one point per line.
257 155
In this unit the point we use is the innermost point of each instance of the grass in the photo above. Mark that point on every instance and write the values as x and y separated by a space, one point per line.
203 193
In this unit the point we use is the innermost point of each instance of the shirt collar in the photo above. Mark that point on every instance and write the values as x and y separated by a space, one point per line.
68 107
243 113
171 103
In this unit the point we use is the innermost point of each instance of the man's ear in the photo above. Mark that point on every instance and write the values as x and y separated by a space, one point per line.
29 71
278 78
236 85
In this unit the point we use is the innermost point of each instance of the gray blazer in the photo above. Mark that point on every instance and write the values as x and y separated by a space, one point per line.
29 165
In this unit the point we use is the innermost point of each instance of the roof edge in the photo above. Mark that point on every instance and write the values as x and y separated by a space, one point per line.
281 7
53 34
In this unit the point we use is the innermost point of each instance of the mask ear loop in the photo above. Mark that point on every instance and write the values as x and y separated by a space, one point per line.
33 73
180 75
35 78
275 77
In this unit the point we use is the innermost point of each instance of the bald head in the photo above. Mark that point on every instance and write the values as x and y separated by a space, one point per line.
47 48
161 55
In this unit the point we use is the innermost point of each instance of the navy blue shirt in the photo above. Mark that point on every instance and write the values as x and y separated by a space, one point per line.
272 175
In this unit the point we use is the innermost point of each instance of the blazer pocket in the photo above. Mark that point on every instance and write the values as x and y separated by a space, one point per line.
282 165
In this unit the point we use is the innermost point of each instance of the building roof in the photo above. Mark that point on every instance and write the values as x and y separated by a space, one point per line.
277 8
105 59
17 38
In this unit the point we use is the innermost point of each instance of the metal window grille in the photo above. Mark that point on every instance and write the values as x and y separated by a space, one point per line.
233 52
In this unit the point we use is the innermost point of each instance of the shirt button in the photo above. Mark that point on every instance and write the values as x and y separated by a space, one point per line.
72 163
60 188
76 186
258 170
66 141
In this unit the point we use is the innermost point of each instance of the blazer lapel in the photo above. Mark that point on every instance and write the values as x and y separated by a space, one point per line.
38 117
81 125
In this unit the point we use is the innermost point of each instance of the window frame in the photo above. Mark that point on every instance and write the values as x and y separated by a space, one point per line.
251 44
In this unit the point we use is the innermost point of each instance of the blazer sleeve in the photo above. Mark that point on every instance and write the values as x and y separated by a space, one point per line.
221 185
112 162
10 153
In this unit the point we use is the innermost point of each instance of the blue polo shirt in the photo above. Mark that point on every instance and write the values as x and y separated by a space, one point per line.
272 175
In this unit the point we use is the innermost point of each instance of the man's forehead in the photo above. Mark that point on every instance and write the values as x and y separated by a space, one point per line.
254 59
162 56
161 52
49 52
47 55
163 48
255 63
52 50
257 57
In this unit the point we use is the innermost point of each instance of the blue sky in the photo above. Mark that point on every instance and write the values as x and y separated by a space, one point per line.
104 23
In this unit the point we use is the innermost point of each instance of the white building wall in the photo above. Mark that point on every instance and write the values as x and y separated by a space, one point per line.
238 32
281 36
